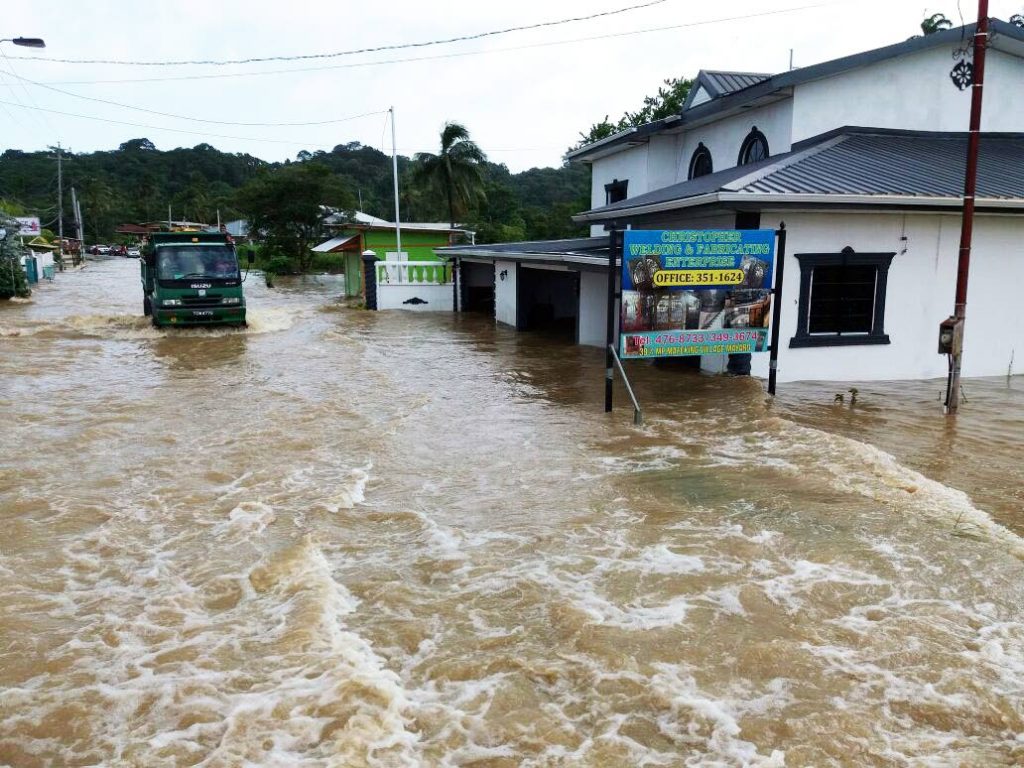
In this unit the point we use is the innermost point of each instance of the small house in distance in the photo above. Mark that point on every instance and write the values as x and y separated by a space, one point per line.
415 273
863 158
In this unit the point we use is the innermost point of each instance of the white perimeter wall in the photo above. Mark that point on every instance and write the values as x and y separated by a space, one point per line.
919 295
505 292
438 298
913 92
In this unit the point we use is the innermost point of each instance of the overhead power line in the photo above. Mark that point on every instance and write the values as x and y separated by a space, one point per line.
381 62
163 128
186 117
336 54
303 144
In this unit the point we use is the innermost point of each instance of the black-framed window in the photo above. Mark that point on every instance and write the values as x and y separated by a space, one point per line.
700 162
615 190
754 148
842 298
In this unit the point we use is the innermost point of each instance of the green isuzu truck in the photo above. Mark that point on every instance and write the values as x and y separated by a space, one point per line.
192 278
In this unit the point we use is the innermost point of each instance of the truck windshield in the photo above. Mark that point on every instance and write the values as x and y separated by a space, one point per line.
197 261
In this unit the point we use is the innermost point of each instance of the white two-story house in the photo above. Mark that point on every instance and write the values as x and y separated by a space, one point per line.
862 158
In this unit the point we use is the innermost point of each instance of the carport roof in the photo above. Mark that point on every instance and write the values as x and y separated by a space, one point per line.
852 167
580 251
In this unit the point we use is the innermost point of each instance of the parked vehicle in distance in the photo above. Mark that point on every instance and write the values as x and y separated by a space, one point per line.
133 252
118 250
192 278
102 250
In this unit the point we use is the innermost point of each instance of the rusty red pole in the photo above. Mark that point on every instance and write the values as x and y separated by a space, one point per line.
967 223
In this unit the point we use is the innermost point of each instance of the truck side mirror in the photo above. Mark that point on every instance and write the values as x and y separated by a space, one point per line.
251 256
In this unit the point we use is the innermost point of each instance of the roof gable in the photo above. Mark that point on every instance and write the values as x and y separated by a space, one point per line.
728 91
712 83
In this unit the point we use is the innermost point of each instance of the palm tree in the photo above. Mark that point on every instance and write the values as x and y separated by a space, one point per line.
455 170
935 23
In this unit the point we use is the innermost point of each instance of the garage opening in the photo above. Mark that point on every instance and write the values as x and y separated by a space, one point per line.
548 302
477 287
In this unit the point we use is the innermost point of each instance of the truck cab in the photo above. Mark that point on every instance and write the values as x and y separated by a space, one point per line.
192 278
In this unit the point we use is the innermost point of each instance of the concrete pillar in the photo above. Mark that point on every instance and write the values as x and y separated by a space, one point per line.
370 278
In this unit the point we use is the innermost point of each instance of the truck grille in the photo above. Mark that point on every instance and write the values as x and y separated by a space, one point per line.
200 301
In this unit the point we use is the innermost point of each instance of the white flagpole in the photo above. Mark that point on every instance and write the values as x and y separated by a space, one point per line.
394 168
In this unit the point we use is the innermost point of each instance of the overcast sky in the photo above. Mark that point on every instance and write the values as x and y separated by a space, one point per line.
524 96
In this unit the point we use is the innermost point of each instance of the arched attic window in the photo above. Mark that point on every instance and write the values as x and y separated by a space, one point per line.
700 163
754 148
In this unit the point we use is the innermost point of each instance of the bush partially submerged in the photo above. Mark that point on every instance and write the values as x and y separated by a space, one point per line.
12 276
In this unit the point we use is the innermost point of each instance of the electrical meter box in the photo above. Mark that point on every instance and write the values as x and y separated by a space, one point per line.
951 336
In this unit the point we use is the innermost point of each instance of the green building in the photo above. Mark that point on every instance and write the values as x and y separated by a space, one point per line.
359 232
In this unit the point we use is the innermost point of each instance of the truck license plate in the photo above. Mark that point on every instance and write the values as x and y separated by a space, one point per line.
202 313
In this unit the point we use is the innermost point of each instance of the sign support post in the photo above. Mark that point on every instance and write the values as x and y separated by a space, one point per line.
780 266
614 245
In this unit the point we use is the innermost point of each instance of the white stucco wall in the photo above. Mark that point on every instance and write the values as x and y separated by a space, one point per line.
725 137
919 295
628 164
662 159
505 273
913 92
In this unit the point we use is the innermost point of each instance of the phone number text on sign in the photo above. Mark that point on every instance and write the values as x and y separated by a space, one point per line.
670 278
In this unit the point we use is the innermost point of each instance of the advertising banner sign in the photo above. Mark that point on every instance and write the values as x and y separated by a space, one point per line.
29 226
696 292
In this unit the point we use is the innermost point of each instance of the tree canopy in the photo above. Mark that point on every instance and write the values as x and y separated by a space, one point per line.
935 23
454 172
666 102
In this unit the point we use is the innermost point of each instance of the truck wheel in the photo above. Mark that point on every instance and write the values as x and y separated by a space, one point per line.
147 307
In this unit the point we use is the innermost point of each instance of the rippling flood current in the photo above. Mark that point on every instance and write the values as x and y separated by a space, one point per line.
342 538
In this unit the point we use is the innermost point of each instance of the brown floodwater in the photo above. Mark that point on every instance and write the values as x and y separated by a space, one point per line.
343 538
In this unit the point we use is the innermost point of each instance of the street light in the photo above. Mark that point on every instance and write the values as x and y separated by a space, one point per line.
26 42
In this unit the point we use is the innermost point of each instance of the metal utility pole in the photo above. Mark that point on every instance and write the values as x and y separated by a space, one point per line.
81 228
60 204
956 323
394 171
615 237
76 212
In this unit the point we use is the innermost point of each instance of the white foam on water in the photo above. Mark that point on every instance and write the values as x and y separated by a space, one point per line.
273 677
126 326
248 517
789 588
660 559
269 319
853 466
715 718
350 492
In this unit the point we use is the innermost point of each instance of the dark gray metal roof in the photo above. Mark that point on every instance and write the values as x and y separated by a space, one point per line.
580 246
727 82
863 162
893 164
999 31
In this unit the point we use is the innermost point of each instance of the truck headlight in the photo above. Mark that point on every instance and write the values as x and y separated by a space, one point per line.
171 302
230 300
